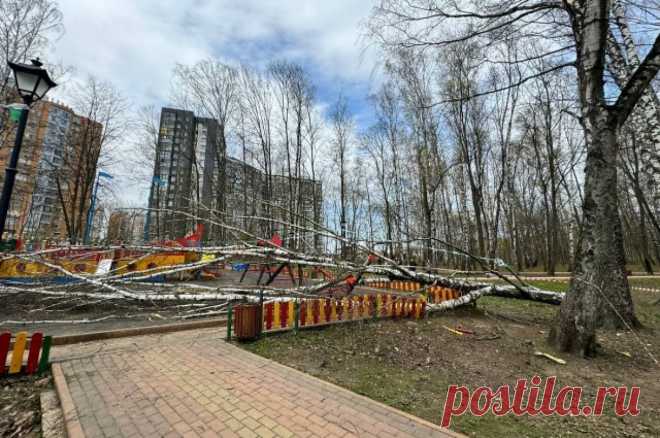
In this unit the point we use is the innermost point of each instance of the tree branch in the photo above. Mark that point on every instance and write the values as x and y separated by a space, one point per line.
638 83
506 87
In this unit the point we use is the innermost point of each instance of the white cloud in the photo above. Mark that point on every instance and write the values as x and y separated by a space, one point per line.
135 43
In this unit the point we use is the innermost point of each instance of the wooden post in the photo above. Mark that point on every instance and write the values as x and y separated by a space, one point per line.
296 317
261 313
229 322
33 356
17 355
45 353
5 341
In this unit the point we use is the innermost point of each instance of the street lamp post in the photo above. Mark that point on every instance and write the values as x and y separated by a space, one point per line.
32 83
92 206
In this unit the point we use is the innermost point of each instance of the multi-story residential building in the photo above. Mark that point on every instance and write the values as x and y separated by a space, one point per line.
183 171
291 204
208 183
52 179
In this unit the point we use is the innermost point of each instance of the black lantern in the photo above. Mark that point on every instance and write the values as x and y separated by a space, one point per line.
32 81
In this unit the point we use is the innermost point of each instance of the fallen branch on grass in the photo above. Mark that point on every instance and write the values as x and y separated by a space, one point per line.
552 358
531 294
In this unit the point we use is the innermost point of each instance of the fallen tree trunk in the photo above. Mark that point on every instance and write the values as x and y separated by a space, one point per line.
531 294
468 298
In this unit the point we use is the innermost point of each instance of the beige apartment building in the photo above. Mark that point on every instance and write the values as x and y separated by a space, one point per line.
56 171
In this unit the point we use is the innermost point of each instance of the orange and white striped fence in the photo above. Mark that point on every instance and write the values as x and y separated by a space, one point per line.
281 315
405 286
287 315
434 294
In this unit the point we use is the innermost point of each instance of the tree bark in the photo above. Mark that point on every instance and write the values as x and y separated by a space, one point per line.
599 295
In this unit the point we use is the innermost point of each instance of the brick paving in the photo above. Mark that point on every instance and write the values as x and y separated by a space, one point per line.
196 385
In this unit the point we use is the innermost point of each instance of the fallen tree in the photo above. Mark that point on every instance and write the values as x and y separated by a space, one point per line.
138 287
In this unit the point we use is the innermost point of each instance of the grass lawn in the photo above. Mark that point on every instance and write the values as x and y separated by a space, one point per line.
562 286
653 283
410 364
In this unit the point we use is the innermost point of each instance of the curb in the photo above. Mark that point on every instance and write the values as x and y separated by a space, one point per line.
138 331
71 423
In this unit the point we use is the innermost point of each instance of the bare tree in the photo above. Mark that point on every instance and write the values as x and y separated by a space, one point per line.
147 127
385 142
504 114
416 81
313 124
623 59
210 88
599 293
257 102
342 126
294 94
102 122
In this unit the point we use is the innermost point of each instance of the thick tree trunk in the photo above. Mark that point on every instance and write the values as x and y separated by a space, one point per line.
599 295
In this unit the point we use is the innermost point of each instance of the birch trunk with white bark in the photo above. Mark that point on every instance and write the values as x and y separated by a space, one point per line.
599 294
645 117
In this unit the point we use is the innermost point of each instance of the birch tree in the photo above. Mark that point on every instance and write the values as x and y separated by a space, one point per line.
599 294
210 87
342 126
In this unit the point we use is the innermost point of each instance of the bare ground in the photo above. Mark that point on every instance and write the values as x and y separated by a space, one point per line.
20 411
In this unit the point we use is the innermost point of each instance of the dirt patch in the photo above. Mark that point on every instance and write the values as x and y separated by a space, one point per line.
20 408
409 365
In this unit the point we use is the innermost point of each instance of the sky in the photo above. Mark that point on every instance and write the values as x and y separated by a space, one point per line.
135 44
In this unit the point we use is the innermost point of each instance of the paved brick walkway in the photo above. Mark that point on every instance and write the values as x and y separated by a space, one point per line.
195 384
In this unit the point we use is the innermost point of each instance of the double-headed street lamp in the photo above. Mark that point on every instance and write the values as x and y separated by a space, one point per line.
32 83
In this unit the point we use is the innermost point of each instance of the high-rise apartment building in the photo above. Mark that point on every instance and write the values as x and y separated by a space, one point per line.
50 170
250 193
183 171
195 180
